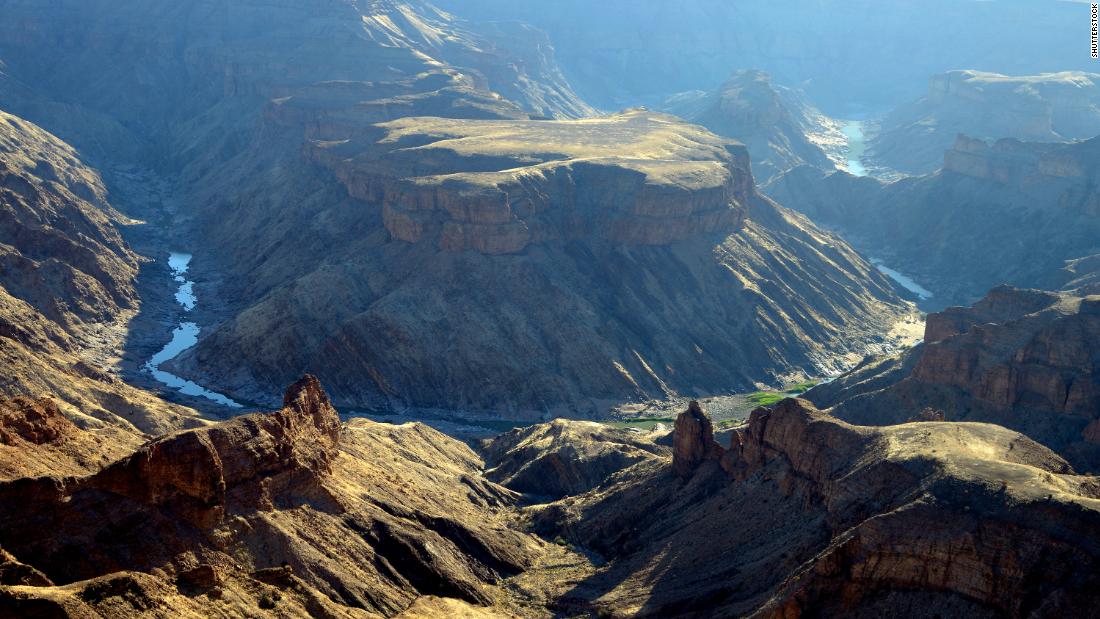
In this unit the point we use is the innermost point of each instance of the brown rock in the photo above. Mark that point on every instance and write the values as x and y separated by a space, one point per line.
283 512
531 183
821 516
37 422
927 414
1022 358
693 441
564 457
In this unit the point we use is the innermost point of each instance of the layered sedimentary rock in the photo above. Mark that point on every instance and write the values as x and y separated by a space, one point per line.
654 253
1022 358
774 123
987 218
806 514
497 186
265 515
1051 107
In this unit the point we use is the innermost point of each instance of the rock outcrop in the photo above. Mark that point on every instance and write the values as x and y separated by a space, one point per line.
774 123
36 440
267 514
811 515
1051 107
563 458
693 441
1021 358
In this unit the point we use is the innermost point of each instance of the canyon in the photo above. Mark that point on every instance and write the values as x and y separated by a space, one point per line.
985 218
1051 107
545 359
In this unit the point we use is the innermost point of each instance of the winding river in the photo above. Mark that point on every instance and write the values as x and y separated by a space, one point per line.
184 336
857 146
903 280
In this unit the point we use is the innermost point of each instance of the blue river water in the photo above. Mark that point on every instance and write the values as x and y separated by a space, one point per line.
184 336
853 130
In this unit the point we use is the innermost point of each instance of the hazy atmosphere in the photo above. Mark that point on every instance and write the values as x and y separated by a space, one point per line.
549 309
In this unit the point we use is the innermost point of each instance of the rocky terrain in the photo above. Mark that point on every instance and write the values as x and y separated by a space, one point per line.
280 514
293 513
561 265
1004 212
351 241
805 514
67 289
778 127
1024 359
853 57
418 211
1051 107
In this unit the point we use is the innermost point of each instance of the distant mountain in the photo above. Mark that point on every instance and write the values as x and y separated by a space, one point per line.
1052 107
1008 212
776 124
167 82
850 57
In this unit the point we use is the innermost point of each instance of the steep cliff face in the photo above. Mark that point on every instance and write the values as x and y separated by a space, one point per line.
1051 107
1022 358
497 186
987 218
805 514
776 129
266 515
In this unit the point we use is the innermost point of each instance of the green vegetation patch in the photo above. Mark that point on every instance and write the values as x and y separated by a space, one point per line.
771 398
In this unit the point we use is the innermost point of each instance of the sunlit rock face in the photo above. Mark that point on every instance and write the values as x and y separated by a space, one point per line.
496 186
567 265
547 258
1020 358
804 513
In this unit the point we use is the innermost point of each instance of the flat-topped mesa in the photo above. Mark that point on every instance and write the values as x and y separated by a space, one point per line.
1000 304
498 186
1068 169
1037 357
